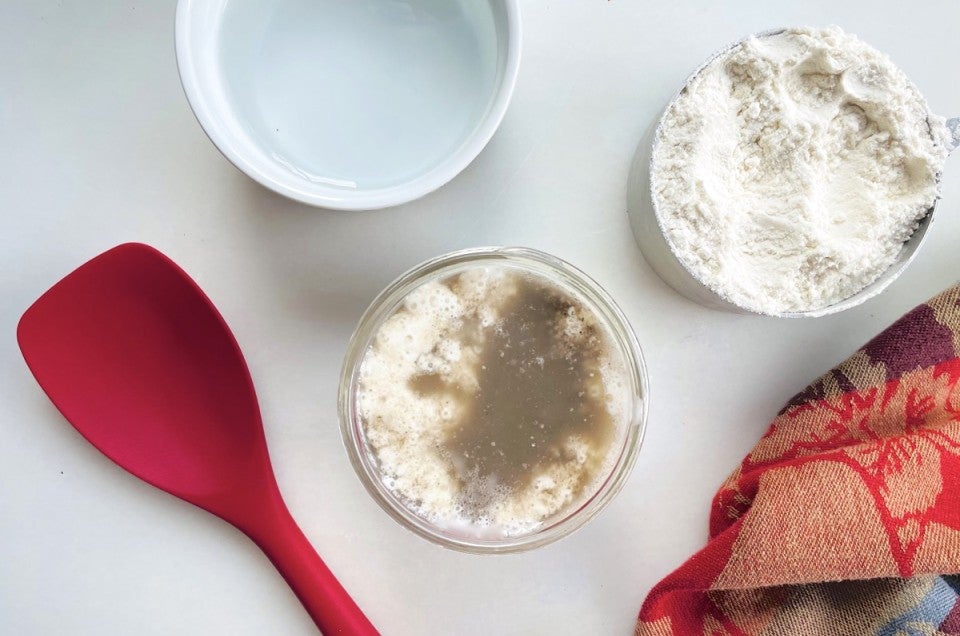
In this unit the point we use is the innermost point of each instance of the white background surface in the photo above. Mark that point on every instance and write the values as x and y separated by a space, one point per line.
98 147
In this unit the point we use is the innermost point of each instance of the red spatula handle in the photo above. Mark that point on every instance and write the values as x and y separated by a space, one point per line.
328 604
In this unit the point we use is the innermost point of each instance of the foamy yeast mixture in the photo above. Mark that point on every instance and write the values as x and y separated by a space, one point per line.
493 400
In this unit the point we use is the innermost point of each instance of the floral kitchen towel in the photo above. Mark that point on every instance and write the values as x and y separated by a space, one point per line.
845 517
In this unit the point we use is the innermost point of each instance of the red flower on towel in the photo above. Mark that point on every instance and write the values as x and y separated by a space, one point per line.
892 435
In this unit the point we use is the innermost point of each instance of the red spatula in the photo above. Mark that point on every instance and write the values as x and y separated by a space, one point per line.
139 360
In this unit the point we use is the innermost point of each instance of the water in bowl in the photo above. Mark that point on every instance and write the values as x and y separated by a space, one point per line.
359 93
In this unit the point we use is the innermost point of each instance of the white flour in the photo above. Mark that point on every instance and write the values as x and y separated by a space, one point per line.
792 169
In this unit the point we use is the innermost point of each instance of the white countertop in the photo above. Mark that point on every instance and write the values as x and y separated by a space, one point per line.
99 147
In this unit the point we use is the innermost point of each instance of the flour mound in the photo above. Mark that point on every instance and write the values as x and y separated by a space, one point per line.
793 167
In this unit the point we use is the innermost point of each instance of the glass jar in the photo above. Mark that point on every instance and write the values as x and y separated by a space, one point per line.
559 274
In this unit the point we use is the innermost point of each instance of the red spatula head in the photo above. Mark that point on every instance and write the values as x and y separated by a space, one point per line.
137 358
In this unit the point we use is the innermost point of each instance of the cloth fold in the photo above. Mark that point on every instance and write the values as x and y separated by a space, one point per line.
845 517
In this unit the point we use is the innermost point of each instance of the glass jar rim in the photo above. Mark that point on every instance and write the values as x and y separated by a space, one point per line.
551 268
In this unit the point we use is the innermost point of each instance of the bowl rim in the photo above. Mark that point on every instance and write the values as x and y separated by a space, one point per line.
540 263
326 196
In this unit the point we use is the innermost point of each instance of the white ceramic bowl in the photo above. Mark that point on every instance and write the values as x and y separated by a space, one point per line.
349 104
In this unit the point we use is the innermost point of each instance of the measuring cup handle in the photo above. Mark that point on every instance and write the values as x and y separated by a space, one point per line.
328 604
953 125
